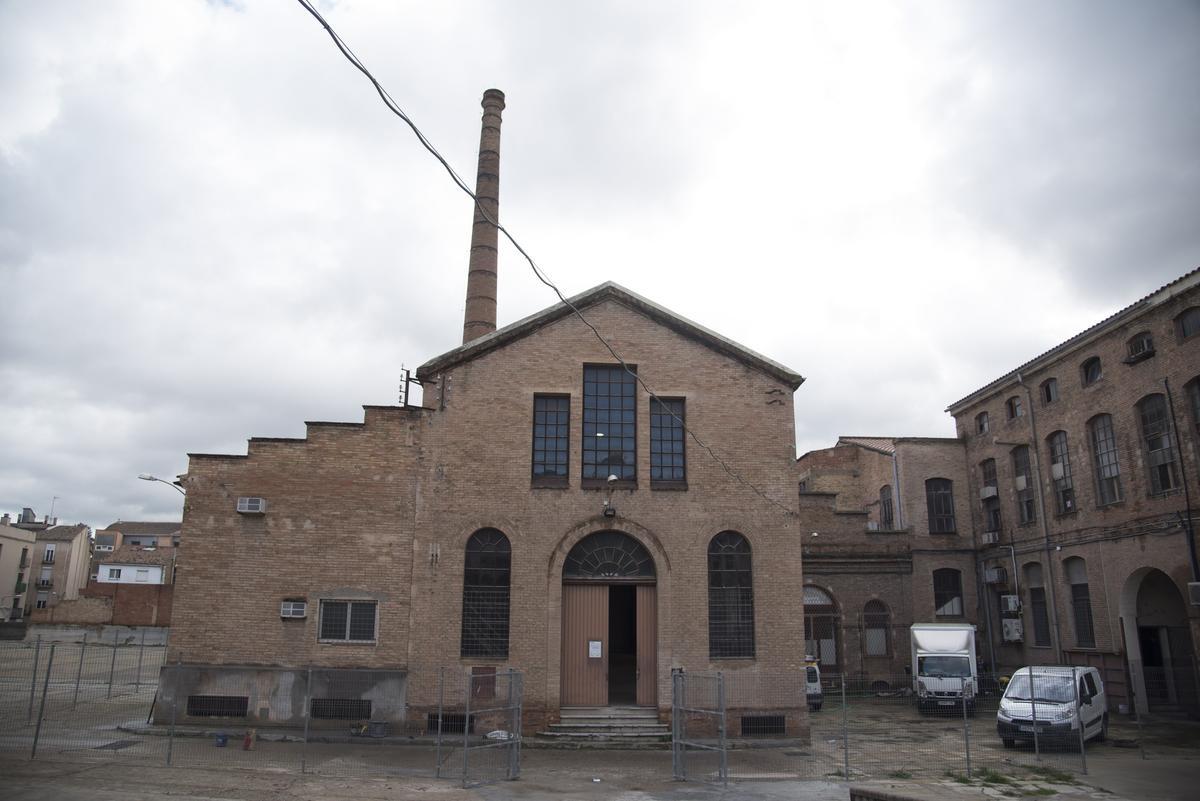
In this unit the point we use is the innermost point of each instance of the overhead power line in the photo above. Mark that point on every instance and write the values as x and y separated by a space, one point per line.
394 107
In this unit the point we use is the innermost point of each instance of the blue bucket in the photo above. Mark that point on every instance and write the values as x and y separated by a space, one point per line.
222 740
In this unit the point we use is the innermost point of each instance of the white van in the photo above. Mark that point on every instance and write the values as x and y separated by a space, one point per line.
812 682
1051 698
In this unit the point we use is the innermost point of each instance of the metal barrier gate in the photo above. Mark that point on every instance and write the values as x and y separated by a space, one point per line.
478 725
698 735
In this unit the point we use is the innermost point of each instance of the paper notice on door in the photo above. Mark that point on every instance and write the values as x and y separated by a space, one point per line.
593 649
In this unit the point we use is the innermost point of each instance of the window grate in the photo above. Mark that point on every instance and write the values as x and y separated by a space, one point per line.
764 725
341 709
730 597
217 706
609 423
452 723
486 578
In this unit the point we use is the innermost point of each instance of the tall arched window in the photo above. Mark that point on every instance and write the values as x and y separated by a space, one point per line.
939 496
486 578
1104 458
730 597
1160 450
887 517
1023 481
1036 586
947 593
1060 472
821 624
1081 601
1192 388
989 495
875 628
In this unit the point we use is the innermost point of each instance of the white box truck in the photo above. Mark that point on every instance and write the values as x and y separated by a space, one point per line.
943 666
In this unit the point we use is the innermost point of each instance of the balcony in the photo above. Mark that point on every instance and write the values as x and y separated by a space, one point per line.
19 588
48 559
45 583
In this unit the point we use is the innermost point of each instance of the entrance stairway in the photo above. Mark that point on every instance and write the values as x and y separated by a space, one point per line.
606 727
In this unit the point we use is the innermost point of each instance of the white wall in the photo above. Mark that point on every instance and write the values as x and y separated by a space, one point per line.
130 574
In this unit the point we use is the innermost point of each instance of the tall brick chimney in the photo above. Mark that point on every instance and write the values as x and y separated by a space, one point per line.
480 317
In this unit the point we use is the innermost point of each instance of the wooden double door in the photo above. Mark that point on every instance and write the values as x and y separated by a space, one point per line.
609 644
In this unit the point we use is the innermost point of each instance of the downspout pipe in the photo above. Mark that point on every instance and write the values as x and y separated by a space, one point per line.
1037 470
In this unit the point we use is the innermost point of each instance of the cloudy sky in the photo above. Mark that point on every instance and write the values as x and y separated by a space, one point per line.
211 228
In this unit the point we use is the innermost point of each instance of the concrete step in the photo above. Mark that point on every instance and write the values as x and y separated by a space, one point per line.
655 730
608 712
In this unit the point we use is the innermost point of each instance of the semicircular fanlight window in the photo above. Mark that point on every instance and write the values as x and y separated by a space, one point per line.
608 555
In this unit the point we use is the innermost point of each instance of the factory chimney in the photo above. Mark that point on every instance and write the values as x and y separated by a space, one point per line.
480 316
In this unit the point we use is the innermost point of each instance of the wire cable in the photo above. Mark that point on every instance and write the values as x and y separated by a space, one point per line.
394 107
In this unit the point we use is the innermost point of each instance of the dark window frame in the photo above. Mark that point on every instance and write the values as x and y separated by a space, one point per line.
1192 391
1091 370
1040 617
558 445
1139 347
1064 488
1187 323
1026 502
596 405
877 620
668 416
1158 441
948 589
730 597
992 517
486 596
1106 460
1081 603
887 511
939 501
1013 408
1049 391
352 614
982 423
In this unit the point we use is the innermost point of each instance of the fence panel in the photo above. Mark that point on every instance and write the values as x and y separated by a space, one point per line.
698 730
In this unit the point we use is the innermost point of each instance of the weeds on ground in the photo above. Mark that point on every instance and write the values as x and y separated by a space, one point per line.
1052 774
958 777
899 774
1040 791
989 776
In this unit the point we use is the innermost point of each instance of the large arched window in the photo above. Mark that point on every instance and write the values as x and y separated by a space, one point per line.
947 593
1160 450
1188 323
1105 461
939 497
1036 587
875 628
1060 472
1081 601
1023 483
486 578
730 597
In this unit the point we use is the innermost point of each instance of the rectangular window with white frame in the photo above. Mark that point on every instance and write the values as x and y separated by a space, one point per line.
348 621
114 574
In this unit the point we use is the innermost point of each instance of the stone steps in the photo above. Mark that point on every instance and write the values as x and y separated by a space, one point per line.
606 727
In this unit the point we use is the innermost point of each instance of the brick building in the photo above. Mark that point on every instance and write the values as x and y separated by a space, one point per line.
60 564
540 510
1065 498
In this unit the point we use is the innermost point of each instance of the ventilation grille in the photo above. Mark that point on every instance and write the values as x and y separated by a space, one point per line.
217 706
763 726
452 723
341 709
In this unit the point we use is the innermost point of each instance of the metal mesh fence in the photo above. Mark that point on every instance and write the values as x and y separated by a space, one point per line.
87 702
756 726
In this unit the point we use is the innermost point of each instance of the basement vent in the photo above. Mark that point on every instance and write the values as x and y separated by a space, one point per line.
341 709
763 726
217 706
452 723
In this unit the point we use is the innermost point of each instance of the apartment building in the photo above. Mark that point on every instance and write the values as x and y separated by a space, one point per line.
61 555
16 559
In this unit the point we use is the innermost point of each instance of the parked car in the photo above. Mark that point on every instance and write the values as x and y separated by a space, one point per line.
1060 698
812 678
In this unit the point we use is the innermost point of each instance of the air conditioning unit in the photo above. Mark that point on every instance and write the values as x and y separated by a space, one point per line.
252 506
872 525
1013 629
987 492
293 609
995 575
1020 483
1194 592
1057 471
1010 604
990 537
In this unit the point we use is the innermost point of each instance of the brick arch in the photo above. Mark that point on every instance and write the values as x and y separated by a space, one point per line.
646 537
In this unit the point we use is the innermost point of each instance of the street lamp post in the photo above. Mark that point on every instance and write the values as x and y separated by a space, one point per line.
148 477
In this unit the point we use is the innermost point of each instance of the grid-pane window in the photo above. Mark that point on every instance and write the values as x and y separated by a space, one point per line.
1023 479
1041 619
947 593
1013 405
350 621
875 629
550 437
666 440
486 585
730 597
609 424
939 497
1160 451
887 514
1104 457
1060 472
981 423
991 503
1081 602
1189 322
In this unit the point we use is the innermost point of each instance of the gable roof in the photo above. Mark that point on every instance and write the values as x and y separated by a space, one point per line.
1162 294
615 292
135 527
128 555
62 533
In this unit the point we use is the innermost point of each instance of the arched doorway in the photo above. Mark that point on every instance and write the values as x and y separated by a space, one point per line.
609 623
821 626
1158 643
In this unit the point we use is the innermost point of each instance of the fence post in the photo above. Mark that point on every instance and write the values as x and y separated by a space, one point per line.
437 770
79 672
966 725
174 707
37 654
1079 717
137 683
520 712
112 668
470 683
724 763
307 718
512 715
1037 752
37 732
845 732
